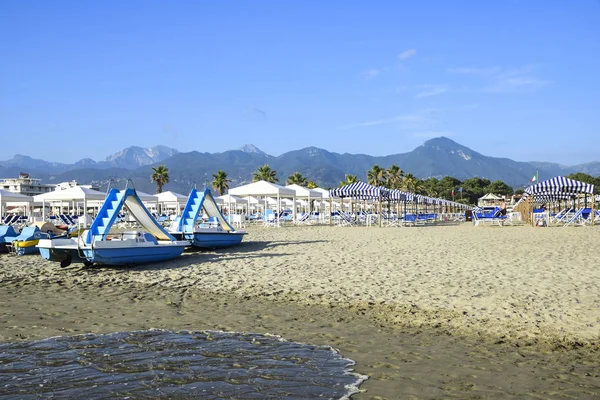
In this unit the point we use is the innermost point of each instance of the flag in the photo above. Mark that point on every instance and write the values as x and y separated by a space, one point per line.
535 177
452 192
460 190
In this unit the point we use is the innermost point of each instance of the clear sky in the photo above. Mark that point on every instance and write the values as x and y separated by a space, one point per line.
86 78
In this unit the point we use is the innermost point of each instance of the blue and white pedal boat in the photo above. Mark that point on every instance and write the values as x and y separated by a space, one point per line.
216 235
97 245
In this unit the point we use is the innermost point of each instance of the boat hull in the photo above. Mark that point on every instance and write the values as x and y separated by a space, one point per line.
216 240
110 252
60 250
104 254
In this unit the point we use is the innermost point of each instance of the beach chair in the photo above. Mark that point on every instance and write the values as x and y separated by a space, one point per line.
581 217
7 233
492 217
302 218
345 219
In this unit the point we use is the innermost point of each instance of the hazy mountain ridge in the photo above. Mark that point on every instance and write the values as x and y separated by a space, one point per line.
437 157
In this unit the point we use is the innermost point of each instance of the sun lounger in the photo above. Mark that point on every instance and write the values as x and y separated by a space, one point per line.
493 217
581 217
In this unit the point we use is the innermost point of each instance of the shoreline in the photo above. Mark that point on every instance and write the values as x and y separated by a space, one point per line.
407 304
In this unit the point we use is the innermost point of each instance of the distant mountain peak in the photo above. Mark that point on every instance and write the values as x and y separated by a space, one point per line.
134 156
250 148
442 141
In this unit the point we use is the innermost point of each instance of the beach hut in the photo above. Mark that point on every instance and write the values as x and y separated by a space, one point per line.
489 199
361 190
69 196
171 200
306 194
264 190
555 189
7 197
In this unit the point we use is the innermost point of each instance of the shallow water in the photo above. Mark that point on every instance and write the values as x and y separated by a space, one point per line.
167 364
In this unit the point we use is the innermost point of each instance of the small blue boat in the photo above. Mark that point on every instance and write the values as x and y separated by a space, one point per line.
216 234
97 245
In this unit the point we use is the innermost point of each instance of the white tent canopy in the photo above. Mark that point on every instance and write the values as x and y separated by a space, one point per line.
169 196
172 199
73 195
230 199
265 189
10 197
302 192
324 192
262 189
146 196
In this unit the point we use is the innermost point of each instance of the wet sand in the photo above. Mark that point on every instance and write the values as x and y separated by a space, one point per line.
432 312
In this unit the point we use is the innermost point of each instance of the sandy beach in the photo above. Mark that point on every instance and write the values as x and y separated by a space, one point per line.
427 312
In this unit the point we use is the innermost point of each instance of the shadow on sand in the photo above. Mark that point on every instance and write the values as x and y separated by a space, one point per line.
191 255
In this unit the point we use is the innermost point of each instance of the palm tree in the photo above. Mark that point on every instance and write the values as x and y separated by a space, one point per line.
412 184
296 178
311 185
349 179
393 178
220 182
160 176
265 173
375 176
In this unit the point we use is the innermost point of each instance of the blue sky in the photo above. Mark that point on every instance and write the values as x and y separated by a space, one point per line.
516 79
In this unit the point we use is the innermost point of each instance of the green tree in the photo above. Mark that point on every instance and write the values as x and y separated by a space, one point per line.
160 176
474 188
393 177
349 179
296 178
412 184
376 176
312 185
499 188
265 173
220 182
446 185
431 186
586 178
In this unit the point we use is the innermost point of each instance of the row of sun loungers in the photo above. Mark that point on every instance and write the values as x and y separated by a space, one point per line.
14 220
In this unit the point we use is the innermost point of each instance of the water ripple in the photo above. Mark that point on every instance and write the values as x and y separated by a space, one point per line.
166 364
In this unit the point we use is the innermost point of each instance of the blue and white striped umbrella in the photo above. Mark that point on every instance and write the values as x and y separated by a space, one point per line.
399 195
559 185
360 190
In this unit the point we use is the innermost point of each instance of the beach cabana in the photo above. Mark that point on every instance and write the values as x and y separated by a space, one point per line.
554 190
233 203
362 190
265 189
172 200
72 196
306 194
7 197
489 199
324 192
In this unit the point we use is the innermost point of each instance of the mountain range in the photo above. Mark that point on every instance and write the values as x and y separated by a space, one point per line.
437 157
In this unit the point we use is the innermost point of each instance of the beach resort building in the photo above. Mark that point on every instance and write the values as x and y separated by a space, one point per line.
72 184
26 185
489 199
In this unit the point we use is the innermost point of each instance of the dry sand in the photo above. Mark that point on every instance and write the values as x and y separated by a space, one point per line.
428 312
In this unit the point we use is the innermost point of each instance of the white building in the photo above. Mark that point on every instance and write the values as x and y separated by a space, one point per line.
72 184
26 185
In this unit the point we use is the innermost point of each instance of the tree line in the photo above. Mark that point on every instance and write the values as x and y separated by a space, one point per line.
393 177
